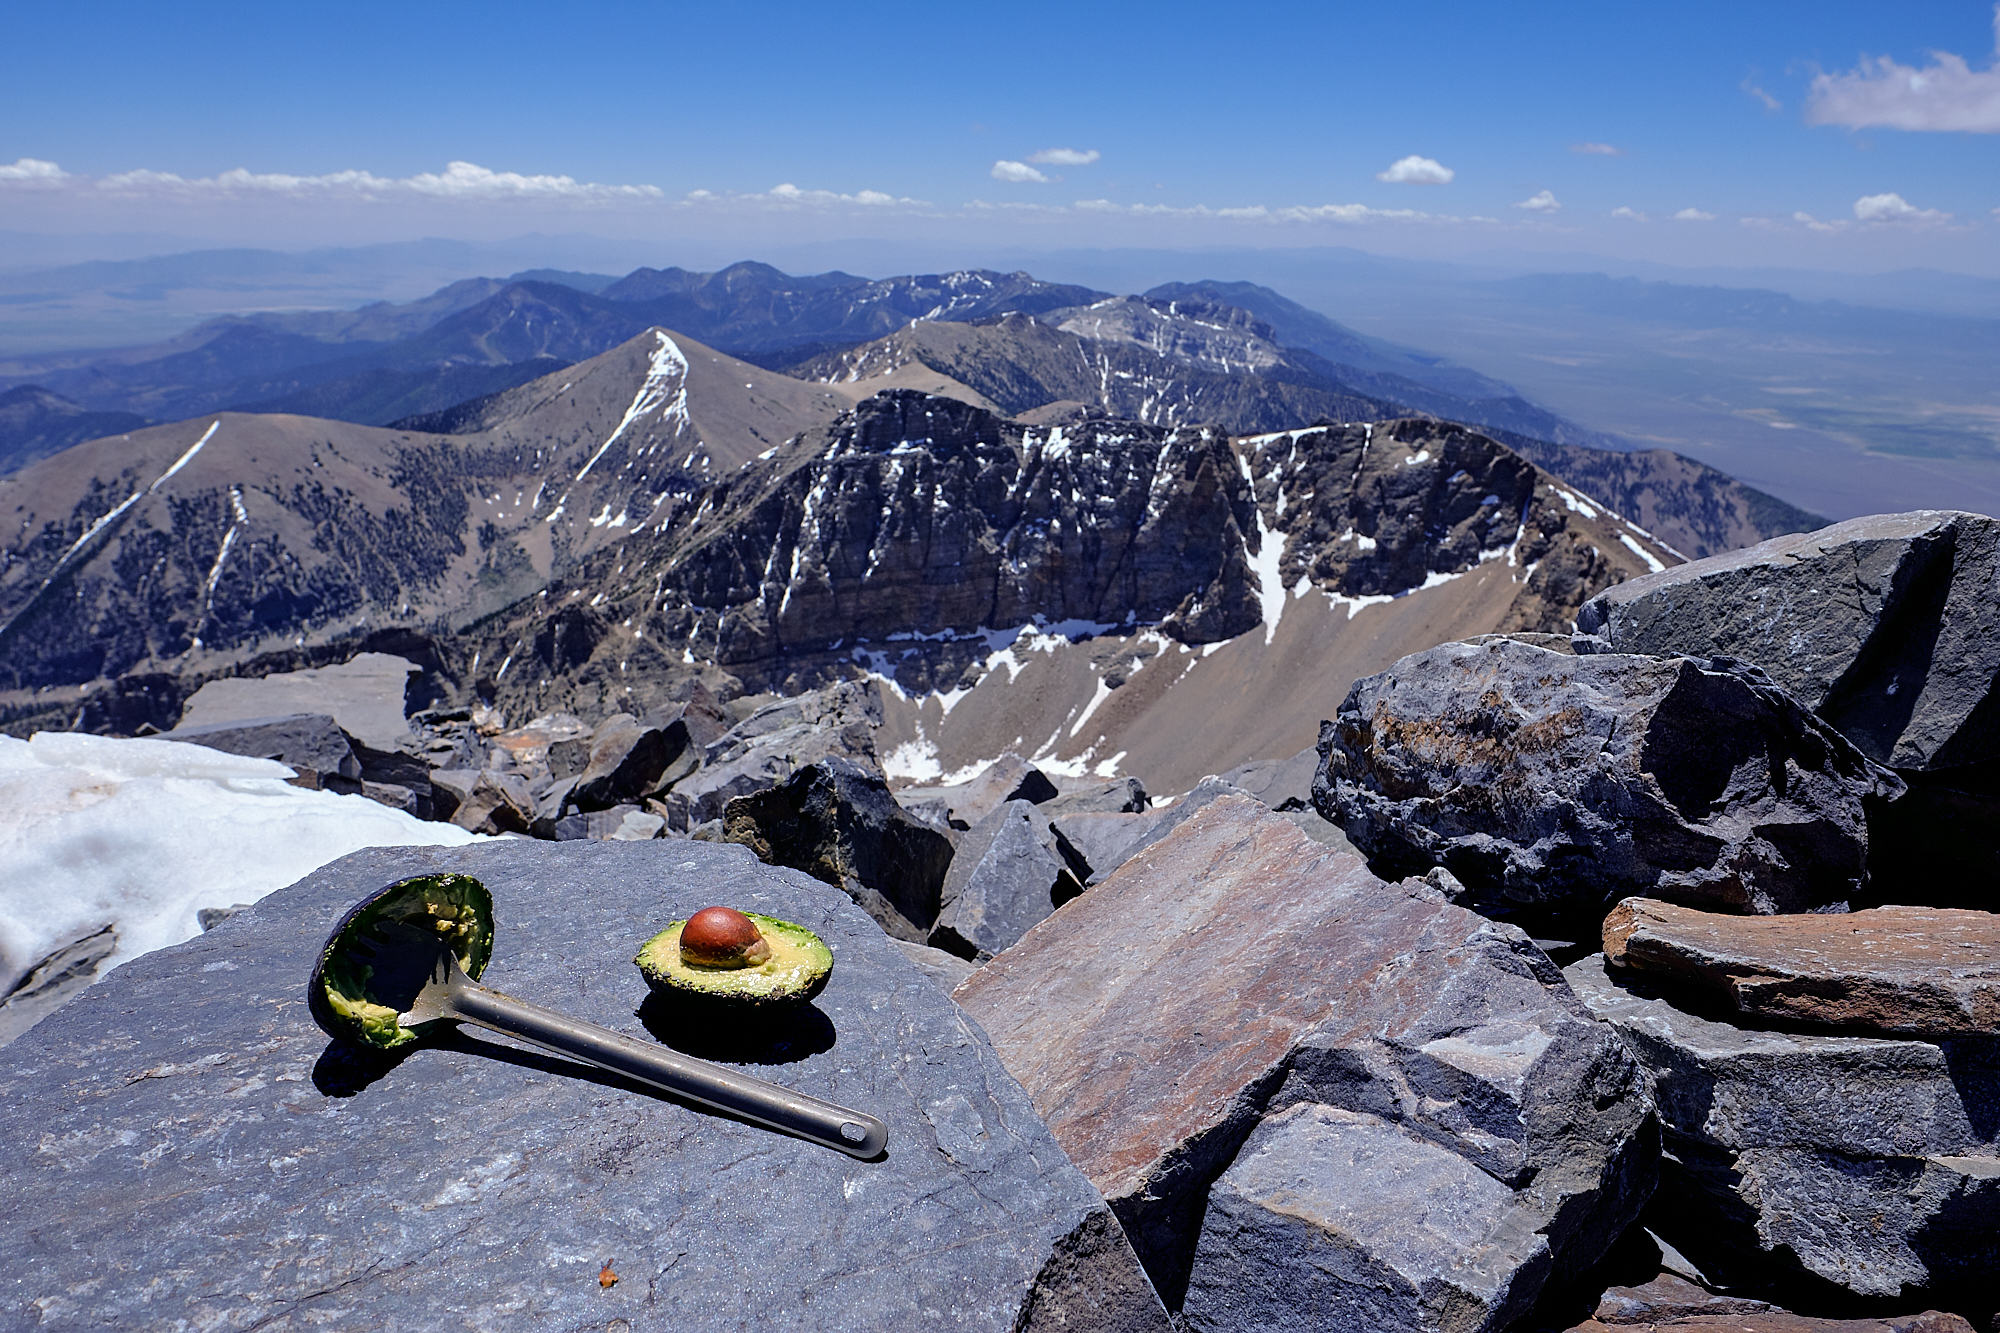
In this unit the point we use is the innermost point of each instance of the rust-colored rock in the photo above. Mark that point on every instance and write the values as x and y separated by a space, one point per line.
1153 1053
1917 971
1783 1321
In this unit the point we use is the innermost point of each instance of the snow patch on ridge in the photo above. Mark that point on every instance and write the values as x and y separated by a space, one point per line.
667 366
1652 561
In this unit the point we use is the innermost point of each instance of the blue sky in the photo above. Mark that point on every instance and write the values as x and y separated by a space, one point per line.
1184 125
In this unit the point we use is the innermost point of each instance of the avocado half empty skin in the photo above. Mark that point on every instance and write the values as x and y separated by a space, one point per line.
346 996
795 972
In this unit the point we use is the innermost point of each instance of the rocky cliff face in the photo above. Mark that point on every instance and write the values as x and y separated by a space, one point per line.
1191 360
908 535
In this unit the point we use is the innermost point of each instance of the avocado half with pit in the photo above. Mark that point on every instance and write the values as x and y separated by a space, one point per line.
358 992
736 979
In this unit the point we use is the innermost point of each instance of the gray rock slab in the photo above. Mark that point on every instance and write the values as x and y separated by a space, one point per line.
946 971
1870 1164
1536 777
1887 626
366 695
1278 783
184 1148
1007 873
312 743
1332 1219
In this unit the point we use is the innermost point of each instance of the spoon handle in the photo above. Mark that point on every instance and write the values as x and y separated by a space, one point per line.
853 1132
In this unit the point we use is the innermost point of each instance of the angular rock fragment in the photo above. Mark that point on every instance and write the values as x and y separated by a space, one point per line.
312 743
1103 839
1541 778
1106 841
837 821
1008 778
1857 1163
1235 968
183 1129
397 797
1361 1223
1282 784
1118 796
946 971
1913 971
1885 626
1007 873
1669 1297
1770 1319
626 763
778 740
497 803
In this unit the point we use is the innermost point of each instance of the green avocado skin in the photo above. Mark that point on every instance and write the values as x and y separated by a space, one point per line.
797 971
339 995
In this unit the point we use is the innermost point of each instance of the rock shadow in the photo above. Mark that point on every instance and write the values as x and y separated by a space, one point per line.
738 1039
344 1069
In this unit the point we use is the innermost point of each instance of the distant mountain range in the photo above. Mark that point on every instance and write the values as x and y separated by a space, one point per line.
1230 354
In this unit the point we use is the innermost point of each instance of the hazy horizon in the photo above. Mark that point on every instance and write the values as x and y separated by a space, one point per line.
1846 138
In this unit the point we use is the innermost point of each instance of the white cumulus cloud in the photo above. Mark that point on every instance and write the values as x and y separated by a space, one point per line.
1541 202
1632 213
790 198
459 180
1893 207
1596 150
1947 94
1693 215
1017 172
1812 223
1414 170
33 171
1065 157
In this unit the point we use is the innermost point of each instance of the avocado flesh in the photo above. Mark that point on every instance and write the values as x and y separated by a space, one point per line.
454 909
795 972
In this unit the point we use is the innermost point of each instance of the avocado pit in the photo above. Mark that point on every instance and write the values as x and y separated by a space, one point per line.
722 937
744 963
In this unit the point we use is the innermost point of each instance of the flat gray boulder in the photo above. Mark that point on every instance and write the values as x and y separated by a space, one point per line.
1863 1164
1886 626
366 695
1536 777
183 1147
1008 873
